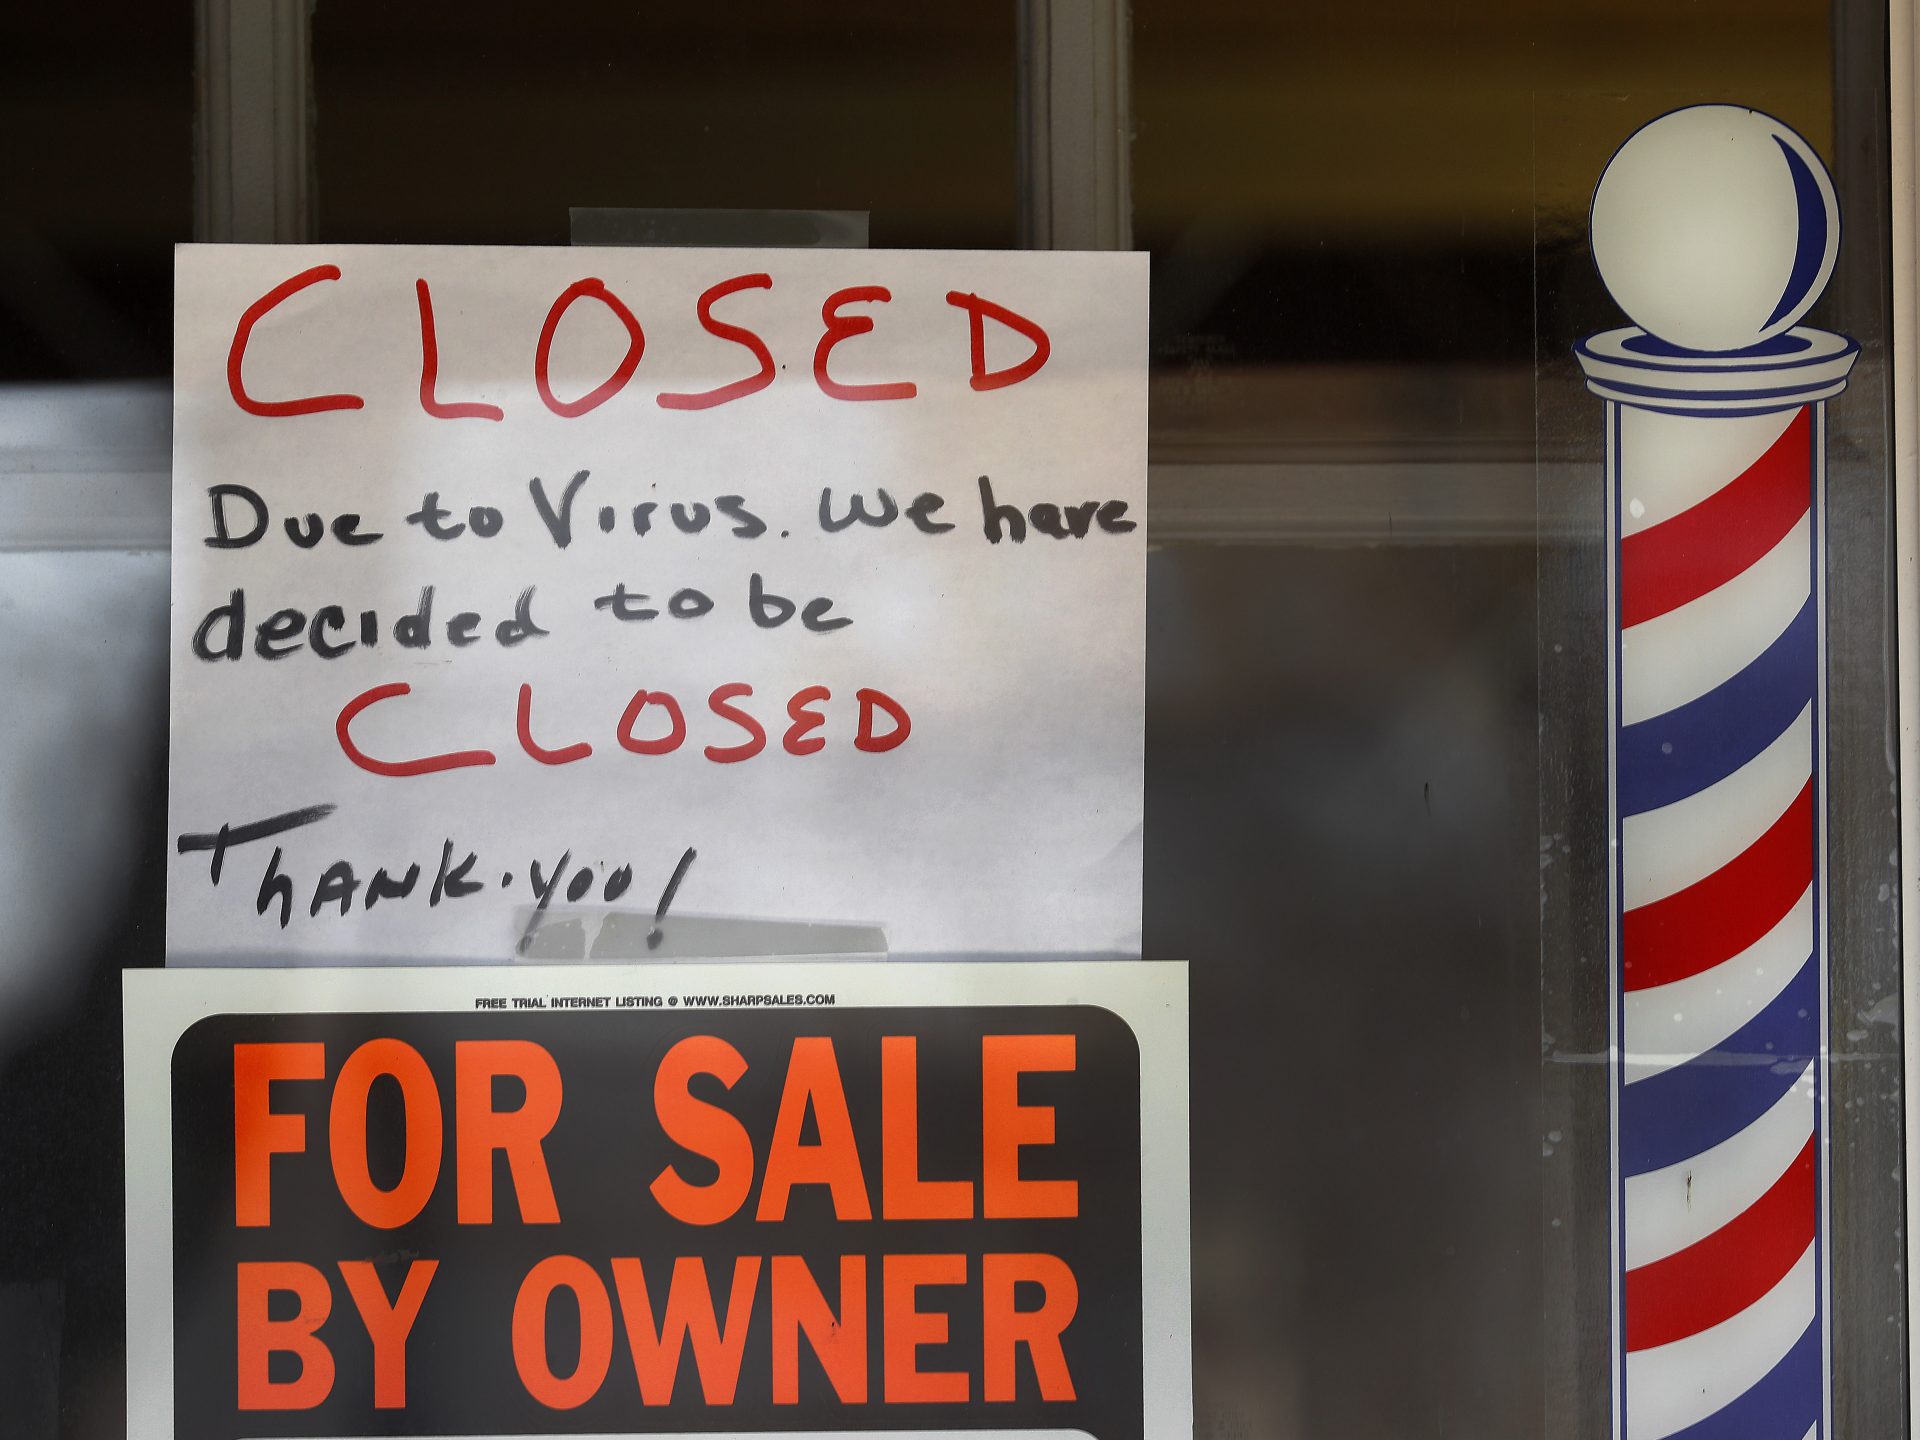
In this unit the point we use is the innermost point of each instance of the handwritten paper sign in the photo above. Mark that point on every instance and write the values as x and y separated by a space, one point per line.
514 579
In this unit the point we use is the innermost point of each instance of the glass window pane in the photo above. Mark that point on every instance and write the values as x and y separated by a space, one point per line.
96 184
485 122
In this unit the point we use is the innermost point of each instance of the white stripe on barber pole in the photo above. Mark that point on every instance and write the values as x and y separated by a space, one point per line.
1680 462
1673 1023
1680 656
1670 1209
1666 850
1674 1386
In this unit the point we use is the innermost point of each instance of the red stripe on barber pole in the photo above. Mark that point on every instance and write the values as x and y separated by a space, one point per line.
1715 918
1701 549
1716 1278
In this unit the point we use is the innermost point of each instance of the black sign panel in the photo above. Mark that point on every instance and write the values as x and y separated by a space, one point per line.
711 1220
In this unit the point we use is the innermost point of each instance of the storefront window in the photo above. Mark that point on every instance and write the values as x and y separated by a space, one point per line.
1386 701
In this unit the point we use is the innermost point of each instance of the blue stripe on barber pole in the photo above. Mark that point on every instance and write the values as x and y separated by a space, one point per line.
1670 756
1809 253
1692 1107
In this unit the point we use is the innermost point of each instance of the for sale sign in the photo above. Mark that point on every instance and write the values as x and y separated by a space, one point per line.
667 1199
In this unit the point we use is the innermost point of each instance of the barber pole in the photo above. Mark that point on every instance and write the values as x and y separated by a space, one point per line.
1716 228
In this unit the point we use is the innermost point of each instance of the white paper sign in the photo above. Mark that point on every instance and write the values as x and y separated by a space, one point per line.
815 579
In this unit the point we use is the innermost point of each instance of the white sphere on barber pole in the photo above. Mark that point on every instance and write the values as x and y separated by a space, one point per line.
1715 228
